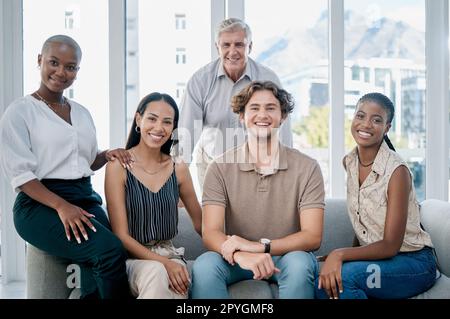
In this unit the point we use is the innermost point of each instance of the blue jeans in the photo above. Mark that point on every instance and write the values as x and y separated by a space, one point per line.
402 276
211 275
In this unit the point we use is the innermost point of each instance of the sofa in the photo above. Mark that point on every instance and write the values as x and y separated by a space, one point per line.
47 275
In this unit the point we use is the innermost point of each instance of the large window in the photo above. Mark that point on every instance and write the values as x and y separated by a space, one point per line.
293 42
87 22
165 56
385 52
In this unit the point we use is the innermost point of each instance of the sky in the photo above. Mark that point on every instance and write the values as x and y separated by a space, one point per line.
262 14
409 11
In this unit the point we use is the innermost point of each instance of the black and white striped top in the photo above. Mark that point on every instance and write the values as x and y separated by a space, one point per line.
152 216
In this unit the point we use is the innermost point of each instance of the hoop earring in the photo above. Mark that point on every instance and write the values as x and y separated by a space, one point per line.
137 129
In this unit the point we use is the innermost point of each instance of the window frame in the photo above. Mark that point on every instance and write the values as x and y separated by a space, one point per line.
11 87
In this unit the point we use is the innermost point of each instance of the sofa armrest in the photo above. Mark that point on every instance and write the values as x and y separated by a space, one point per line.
435 219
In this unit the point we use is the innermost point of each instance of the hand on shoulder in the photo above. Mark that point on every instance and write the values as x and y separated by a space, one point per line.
122 155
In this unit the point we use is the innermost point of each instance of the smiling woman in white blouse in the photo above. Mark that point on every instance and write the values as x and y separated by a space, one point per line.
49 152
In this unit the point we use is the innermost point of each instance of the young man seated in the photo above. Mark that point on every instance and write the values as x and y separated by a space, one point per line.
263 205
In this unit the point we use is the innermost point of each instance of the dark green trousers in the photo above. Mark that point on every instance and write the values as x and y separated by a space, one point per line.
101 258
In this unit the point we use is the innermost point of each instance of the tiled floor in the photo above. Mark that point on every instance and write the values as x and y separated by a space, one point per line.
13 290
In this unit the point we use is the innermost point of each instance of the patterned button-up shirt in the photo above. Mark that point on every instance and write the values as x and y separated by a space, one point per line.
367 205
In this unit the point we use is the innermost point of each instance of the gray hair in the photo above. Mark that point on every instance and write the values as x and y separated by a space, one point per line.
63 39
231 25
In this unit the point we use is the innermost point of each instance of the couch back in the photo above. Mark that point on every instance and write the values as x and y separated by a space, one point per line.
337 230
337 233
187 236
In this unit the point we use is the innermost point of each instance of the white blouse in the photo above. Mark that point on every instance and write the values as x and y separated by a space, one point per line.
36 143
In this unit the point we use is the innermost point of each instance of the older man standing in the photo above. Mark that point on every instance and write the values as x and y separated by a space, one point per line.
206 116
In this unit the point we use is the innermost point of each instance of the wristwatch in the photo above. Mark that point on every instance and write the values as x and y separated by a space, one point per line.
266 242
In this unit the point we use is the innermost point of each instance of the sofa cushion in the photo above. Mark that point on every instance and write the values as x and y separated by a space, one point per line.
251 289
338 231
440 290
248 289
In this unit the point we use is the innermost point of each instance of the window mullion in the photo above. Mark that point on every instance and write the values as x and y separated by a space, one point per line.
117 73
336 92
11 83
437 66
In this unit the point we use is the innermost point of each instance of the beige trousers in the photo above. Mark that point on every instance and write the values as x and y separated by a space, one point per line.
148 279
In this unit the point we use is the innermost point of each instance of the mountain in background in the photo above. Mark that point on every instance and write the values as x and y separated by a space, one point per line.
385 38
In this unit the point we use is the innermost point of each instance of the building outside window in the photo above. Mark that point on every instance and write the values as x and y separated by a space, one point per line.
180 90
180 55
71 93
386 40
180 21
69 20
151 69
72 15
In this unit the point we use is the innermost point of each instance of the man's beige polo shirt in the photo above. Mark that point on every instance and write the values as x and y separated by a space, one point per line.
263 206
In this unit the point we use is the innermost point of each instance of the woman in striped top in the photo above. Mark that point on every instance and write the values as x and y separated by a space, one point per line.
142 202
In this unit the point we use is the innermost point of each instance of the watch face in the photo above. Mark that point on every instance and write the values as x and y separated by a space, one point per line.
264 241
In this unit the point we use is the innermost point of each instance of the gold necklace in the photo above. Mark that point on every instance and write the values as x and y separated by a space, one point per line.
144 169
50 104
360 163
